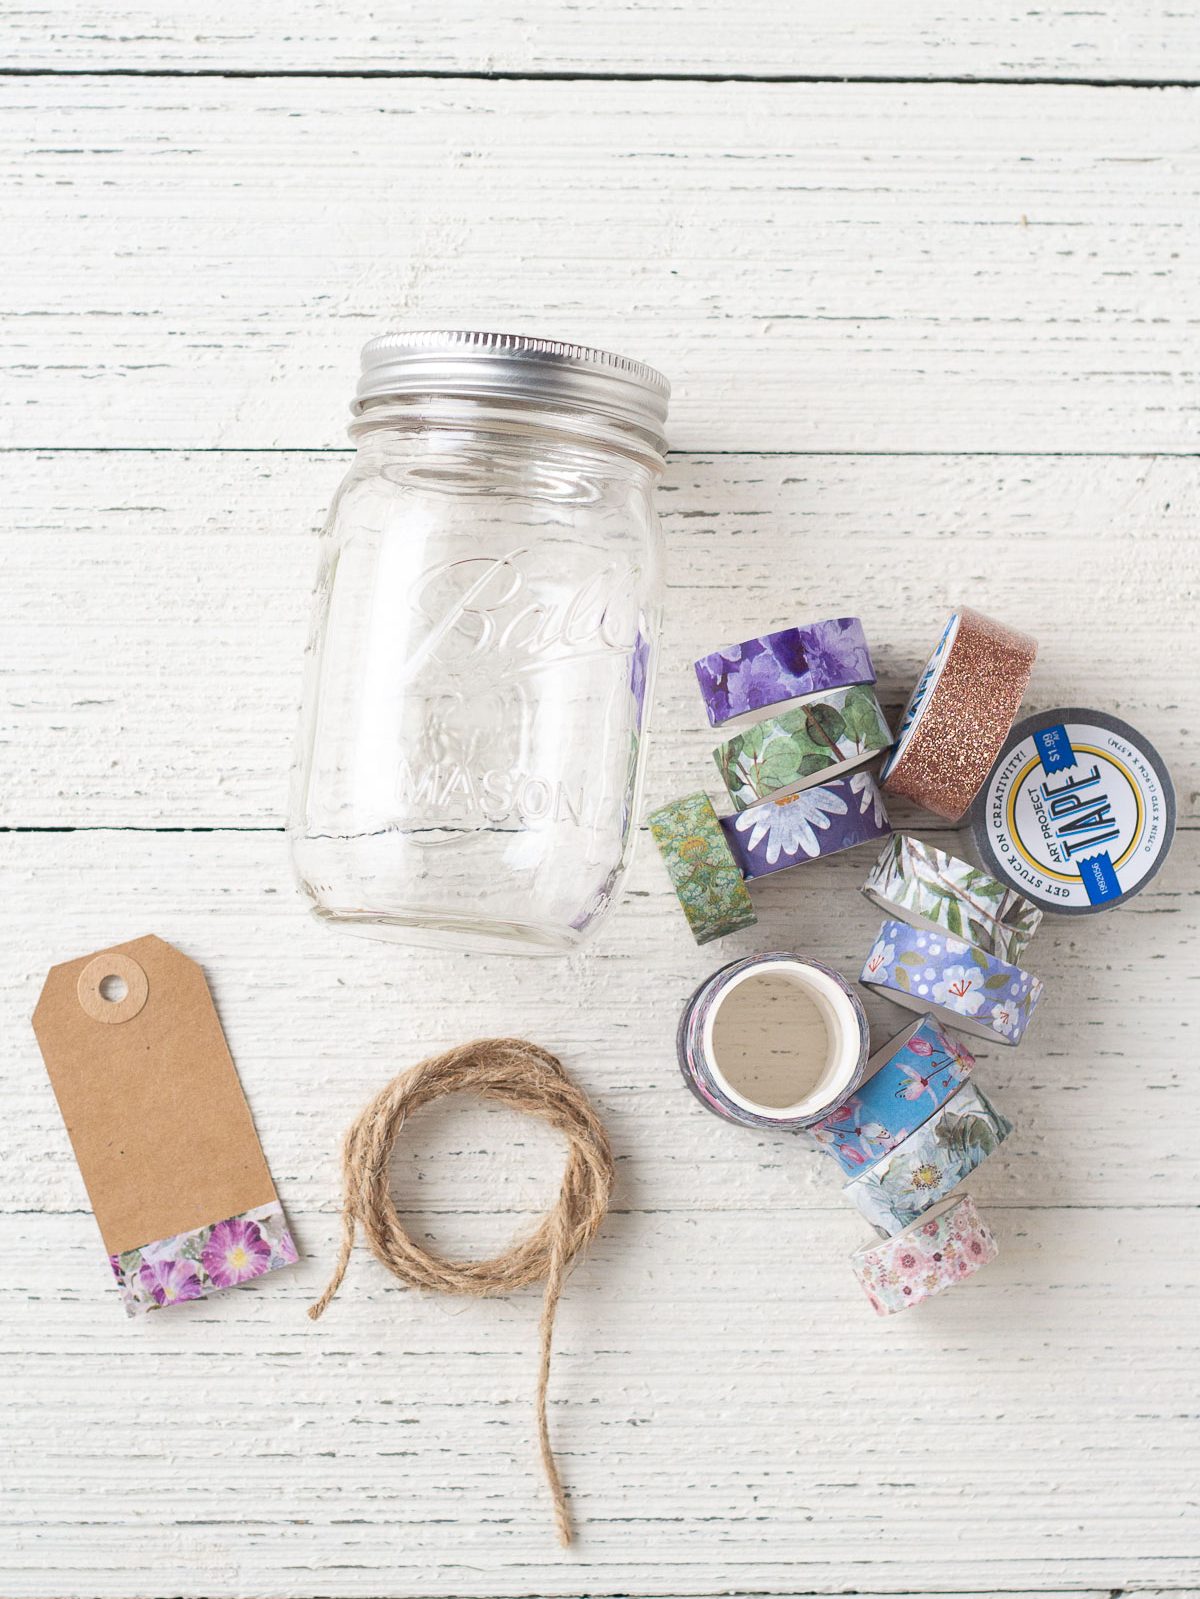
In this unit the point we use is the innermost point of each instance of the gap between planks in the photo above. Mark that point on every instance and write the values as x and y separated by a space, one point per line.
483 75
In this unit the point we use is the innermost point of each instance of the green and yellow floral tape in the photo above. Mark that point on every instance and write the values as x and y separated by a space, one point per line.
700 864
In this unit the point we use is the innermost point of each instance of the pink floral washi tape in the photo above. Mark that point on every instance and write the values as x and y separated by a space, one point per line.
201 1262
950 1242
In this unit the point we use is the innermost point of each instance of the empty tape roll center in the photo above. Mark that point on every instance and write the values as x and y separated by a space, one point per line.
782 1041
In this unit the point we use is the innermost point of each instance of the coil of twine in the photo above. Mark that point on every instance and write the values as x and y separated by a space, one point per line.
524 1077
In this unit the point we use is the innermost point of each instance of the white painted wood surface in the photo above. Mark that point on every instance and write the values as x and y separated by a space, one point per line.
834 272
820 266
1118 40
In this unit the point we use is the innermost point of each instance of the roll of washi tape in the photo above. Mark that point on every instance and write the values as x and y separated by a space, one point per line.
701 867
927 888
955 723
913 1075
1078 812
947 1244
931 1161
783 832
961 984
773 1041
796 661
807 744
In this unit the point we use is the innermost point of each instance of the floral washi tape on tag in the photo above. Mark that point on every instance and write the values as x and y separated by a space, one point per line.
159 1124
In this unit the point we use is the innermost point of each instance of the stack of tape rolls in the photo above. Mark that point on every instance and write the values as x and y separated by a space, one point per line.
796 780
781 1042
1072 811
915 1127
940 951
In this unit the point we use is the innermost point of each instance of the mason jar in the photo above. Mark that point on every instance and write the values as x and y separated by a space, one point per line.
482 650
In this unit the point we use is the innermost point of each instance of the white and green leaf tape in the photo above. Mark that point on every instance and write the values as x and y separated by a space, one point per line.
930 889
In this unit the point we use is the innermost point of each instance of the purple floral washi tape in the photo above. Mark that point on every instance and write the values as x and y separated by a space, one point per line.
205 1260
778 833
910 1078
783 666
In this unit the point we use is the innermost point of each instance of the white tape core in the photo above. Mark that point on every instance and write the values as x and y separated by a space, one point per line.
765 1051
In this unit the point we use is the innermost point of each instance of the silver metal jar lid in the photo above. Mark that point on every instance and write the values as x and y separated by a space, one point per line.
512 366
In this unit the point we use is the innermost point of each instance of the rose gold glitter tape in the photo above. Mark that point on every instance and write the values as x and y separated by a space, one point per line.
960 712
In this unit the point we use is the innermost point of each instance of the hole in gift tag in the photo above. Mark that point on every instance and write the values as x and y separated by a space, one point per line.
112 988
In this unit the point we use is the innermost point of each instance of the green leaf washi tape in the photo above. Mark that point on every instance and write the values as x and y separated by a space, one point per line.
700 864
808 744
928 888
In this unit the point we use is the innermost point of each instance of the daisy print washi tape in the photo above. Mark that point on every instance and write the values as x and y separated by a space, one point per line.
794 828
807 744
931 1162
949 1243
707 879
911 1077
962 984
928 888
793 663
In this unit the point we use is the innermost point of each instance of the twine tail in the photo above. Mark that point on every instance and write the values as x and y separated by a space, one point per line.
554 1281
339 1271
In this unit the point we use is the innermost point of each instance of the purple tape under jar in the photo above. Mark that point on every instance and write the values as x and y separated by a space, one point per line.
788 665
846 1042
778 833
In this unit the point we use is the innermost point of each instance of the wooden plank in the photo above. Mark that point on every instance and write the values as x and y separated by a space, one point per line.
819 267
1111 39
726 1412
157 605
1102 1091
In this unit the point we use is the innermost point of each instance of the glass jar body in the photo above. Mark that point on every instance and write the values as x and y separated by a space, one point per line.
480 666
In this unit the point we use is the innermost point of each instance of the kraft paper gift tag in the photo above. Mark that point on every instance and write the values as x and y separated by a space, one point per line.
159 1124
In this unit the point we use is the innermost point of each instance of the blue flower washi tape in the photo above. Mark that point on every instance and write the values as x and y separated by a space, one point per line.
773 1041
962 984
930 1163
913 1075
787 665
778 833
